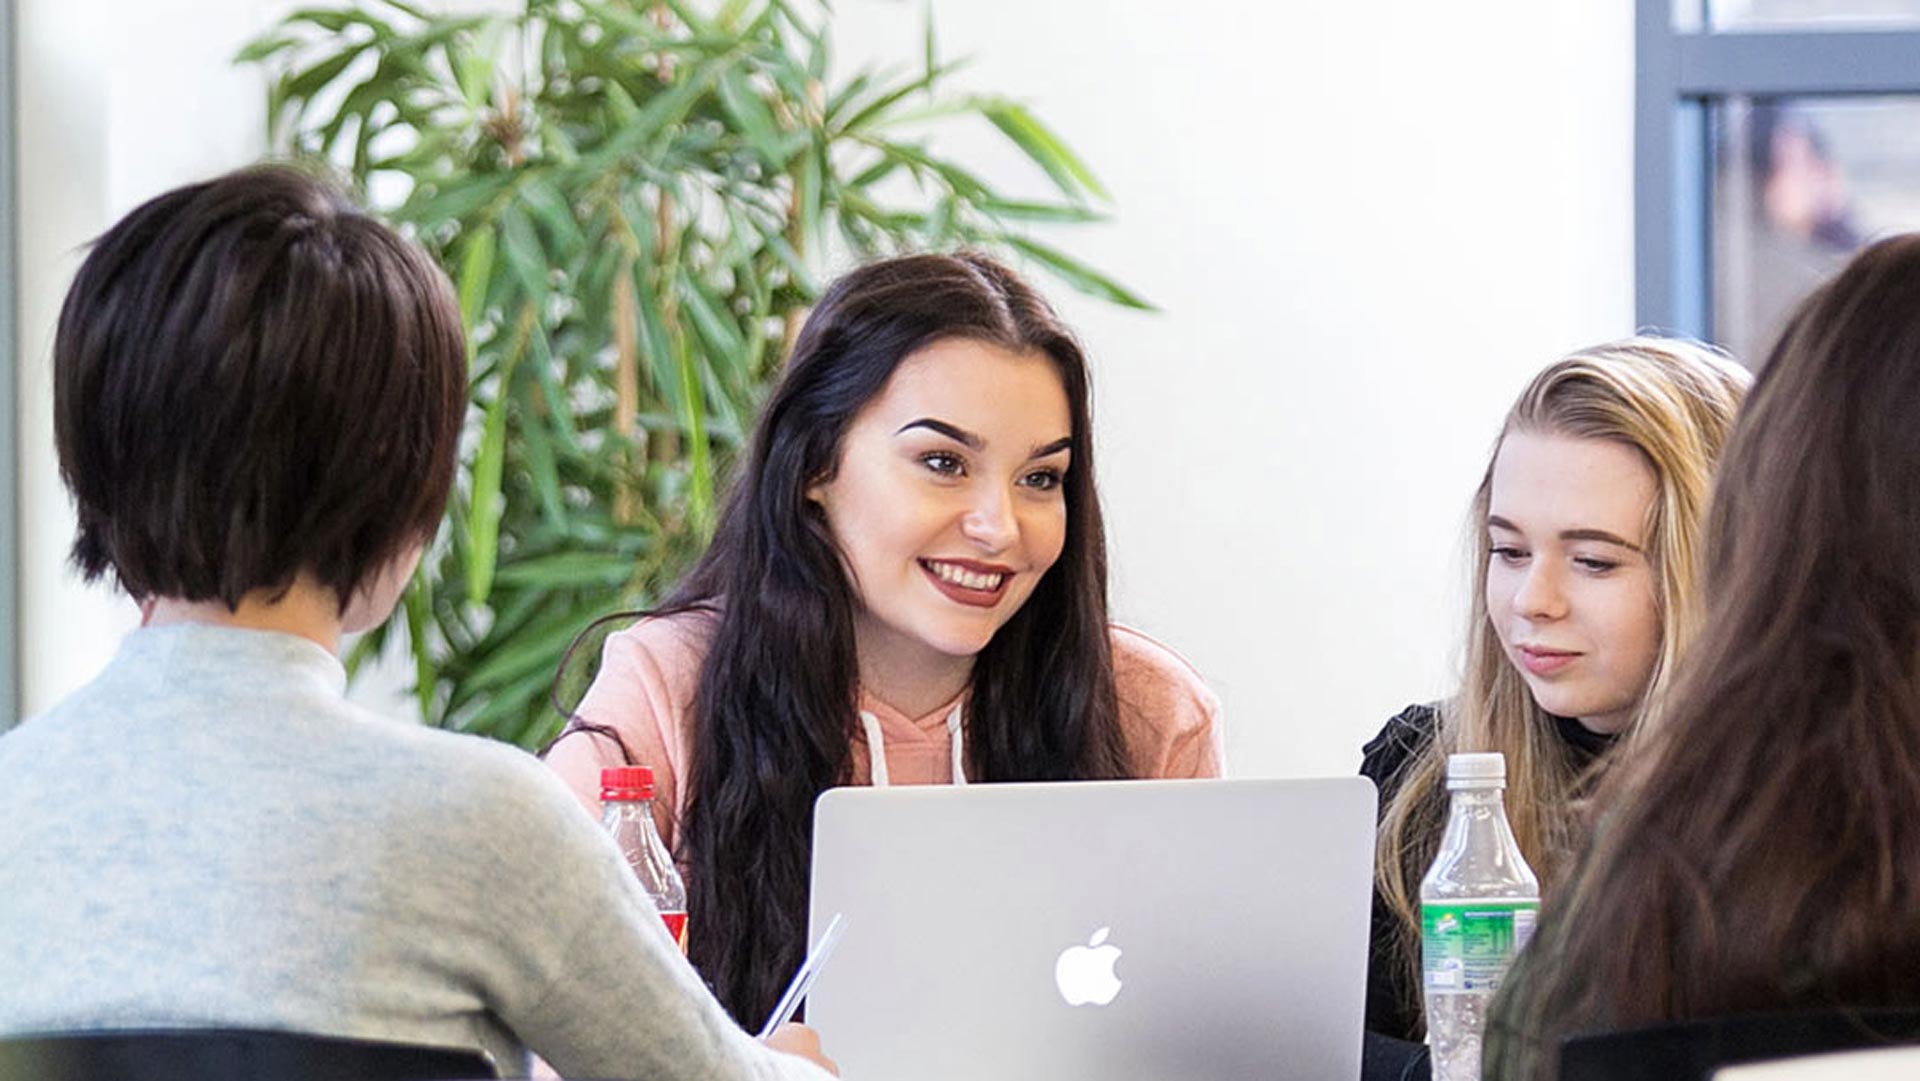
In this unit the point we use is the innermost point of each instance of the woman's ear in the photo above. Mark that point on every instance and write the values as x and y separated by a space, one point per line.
817 489
373 601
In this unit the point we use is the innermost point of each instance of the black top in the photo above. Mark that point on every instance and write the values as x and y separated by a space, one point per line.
1392 1006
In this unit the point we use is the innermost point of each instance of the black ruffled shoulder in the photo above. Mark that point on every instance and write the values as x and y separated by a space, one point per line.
1385 758
1392 1003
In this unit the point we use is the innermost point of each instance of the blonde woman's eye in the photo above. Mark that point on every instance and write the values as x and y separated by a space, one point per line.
1594 564
1044 480
947 465
1510 554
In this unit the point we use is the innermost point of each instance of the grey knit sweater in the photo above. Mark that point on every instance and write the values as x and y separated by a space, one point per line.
209 834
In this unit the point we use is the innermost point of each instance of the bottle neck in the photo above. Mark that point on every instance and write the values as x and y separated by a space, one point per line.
624 808
1479 855
630 821
1478 805
1490 796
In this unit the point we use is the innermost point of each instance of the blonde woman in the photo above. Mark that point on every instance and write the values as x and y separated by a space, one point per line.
1587 530
1765 840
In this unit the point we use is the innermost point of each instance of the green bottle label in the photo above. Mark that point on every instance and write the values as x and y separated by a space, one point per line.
1466 947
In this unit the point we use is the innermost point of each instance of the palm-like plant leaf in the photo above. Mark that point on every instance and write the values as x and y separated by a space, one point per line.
633 200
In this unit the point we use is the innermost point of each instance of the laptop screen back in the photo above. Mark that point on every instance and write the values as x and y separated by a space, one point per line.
1126 931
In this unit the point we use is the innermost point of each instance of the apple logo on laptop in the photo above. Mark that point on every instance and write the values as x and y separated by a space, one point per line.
1085 973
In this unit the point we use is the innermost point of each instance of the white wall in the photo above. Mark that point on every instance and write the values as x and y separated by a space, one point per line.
117 103
1364 224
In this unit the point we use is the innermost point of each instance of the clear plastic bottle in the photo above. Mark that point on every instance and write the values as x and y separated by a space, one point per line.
626 801
1478 904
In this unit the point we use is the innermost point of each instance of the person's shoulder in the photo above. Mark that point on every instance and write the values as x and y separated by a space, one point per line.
1406 731
671 638
656 659
446 753
638 705
480 822
36 727
458 777
1405 735
1141 659
1169 716
31 740
654 662
92 716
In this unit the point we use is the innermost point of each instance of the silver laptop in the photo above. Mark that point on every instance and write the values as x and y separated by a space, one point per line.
1118 931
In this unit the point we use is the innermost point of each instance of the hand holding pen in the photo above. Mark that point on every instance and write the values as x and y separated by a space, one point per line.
803 979
798 1039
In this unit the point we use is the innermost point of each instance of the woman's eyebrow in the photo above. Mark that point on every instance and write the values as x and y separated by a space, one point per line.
974 442
1494 521
958 435
1600 535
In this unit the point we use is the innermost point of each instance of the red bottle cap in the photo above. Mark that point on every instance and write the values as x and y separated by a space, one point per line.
626 783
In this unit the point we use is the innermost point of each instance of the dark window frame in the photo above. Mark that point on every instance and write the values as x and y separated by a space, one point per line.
1679 74
10 697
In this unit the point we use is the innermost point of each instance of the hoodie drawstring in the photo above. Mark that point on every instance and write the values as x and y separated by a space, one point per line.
877 745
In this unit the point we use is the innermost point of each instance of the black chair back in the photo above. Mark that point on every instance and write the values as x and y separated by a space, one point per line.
228 1055
1693 1050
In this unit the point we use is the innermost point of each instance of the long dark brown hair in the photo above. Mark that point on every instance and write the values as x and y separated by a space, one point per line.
776 709
1761 849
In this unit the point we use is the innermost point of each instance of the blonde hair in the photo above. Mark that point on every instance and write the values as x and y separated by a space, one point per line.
1672 400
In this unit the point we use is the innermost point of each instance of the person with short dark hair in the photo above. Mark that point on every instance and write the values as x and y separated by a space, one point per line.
259 392
252 381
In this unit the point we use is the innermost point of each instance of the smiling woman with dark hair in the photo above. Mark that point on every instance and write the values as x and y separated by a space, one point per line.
908 586
258 397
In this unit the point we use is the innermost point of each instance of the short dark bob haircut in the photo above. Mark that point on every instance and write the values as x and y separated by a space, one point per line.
253 378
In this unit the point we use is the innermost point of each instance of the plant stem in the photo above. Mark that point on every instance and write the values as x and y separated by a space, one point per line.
626 389
669 443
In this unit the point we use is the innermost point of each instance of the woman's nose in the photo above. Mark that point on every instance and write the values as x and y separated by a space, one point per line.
990 522
1539 594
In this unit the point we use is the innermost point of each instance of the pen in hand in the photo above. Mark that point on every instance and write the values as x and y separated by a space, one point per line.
803 979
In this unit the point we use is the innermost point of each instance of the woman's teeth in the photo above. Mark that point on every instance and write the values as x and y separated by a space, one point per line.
966 579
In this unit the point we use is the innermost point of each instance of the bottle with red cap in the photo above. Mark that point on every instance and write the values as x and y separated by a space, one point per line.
626 801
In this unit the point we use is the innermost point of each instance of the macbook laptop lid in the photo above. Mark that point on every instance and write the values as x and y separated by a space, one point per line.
1121 931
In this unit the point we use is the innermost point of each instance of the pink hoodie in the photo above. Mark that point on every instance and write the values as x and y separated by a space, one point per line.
649 672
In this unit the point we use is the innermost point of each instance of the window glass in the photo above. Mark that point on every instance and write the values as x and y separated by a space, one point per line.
1799 184
1813 14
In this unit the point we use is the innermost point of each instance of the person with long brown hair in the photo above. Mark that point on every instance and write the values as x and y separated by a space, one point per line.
1586 528
1761 849
908 585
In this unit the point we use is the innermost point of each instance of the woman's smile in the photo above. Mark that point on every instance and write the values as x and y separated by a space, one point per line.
967 582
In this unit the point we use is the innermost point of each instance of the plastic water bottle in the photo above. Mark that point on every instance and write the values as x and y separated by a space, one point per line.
626 802
1478 904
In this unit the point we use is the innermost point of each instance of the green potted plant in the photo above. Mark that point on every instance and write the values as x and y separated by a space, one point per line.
633 200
